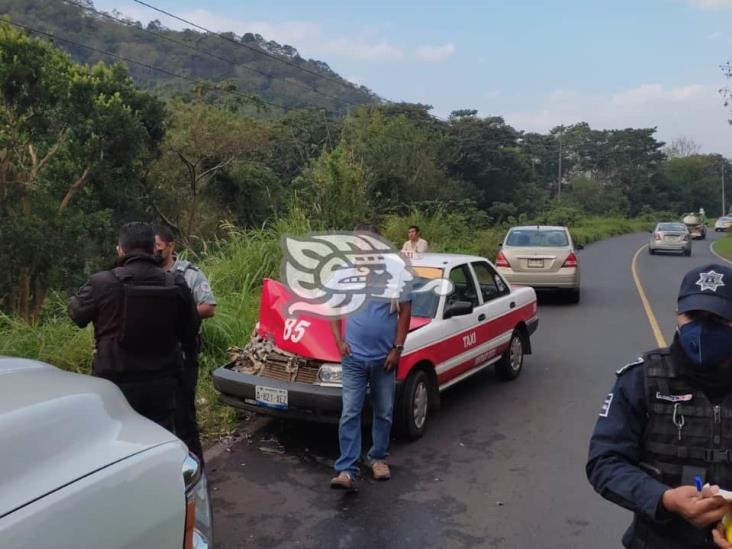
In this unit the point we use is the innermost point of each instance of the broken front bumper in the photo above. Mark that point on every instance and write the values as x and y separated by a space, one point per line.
306 402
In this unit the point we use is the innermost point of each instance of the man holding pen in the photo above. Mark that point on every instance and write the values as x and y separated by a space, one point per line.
662 445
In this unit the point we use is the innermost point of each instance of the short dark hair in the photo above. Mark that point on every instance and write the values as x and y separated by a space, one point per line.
165 233
414 227
366 228
137 236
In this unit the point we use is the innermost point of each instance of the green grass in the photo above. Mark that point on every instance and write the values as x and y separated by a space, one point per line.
724 247
235 266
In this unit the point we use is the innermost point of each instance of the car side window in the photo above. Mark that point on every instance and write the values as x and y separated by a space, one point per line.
463 286
490 283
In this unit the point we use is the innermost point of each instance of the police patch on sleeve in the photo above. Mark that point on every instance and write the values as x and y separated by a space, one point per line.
627 367
205 286
606 405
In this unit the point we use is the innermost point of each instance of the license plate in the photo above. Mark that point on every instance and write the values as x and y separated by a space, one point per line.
271 397
536 263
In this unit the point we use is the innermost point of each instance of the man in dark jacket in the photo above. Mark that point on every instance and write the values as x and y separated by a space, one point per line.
143 317
665 430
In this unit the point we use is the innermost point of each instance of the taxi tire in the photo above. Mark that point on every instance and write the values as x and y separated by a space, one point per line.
503 366
405 424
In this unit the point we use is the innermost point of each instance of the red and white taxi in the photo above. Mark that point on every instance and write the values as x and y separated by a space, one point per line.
291 367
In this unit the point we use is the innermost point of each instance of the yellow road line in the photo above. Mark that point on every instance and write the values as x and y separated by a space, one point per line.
646 304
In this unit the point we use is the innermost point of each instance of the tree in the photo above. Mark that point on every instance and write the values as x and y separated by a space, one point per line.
486 153
73 141
681 147
694 182
203 141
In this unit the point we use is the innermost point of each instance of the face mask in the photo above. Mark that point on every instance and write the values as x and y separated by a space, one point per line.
706 343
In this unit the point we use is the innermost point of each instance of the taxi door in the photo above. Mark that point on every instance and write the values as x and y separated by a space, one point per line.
495 315
460 345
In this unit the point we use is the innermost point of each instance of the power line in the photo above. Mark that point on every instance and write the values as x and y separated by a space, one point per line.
202 51
247 46
141 64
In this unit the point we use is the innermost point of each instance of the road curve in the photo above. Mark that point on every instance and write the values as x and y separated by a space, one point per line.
501 465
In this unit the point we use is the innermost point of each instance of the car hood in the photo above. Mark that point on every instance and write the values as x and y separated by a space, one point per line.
57 427
305 335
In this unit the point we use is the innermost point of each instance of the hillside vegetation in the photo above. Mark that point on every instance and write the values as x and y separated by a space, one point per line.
239 60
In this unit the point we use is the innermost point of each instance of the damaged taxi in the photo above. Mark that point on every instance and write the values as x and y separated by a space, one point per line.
291 366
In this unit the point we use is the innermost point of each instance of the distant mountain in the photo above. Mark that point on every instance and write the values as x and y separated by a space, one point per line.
252 63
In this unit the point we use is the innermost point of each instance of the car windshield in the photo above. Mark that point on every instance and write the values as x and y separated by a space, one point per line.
671 227
537 238
424 304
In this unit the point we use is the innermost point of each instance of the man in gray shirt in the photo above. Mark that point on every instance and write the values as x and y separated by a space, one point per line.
186 424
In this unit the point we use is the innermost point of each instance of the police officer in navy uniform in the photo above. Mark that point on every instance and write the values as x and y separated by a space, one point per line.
666 428
143 318
186 421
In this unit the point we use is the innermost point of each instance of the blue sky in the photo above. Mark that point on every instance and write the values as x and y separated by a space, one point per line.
612 63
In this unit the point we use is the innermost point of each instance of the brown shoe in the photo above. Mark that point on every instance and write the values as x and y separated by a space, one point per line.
380 470
343 481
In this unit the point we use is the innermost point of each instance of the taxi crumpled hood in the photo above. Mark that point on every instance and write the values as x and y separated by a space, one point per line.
305 335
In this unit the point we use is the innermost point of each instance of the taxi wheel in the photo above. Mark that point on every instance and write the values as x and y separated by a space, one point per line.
413 406
509 367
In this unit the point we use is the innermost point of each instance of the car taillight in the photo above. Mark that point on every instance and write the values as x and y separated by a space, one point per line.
571 260
198 530
501 260
657 236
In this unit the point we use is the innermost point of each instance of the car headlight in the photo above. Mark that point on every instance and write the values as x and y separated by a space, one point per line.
330 373
198 533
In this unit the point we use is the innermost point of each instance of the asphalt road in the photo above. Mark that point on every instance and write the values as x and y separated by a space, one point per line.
501 465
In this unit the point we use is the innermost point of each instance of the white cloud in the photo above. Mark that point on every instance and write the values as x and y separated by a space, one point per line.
562 95
356 49
433 54
695 110
711 4
715 36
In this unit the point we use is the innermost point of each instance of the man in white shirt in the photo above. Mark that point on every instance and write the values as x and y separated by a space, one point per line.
415 244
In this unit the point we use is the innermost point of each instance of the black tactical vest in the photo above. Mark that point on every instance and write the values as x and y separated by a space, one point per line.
685 436
684 428
148 316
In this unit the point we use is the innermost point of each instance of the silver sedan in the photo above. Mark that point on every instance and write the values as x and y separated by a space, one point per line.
670 237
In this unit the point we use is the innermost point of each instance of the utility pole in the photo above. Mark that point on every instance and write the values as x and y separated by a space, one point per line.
724 211
559 173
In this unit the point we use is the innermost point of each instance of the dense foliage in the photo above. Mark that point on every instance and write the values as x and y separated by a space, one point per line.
237 60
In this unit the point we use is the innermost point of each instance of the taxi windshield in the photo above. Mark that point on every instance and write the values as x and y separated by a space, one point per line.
424 304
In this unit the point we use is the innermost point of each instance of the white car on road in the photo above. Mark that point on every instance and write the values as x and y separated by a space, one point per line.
80 469
723 223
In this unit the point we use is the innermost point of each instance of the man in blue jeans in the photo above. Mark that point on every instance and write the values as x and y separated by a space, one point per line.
370 350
